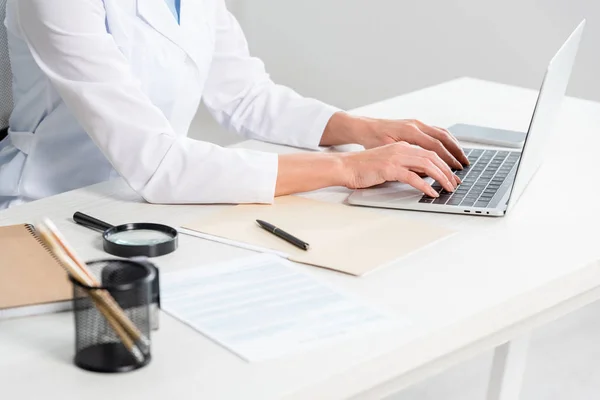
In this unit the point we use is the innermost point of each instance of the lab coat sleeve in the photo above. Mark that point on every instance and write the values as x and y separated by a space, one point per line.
242 97
69 41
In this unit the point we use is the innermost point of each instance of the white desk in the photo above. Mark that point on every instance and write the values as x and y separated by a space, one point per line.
493 282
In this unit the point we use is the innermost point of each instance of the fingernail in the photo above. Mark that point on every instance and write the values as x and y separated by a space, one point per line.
458 179
452 186
433 193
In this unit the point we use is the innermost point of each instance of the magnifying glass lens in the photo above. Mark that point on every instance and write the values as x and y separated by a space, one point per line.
139 237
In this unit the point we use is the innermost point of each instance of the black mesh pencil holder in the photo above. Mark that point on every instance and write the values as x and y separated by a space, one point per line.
105 341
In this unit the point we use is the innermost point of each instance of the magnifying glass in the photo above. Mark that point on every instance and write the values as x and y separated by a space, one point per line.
132 240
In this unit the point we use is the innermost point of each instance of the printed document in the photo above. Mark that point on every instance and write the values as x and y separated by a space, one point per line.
262 307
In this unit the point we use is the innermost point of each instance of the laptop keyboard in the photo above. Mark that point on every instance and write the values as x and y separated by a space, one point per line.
480 180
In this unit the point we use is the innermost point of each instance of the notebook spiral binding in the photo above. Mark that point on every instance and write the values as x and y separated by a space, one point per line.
31 229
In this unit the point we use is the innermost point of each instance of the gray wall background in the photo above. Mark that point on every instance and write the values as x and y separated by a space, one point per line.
354 52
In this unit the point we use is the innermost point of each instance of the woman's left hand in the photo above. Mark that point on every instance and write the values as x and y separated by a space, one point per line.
415 132
372 133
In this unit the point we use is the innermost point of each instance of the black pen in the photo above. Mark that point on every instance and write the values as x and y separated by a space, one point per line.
283 235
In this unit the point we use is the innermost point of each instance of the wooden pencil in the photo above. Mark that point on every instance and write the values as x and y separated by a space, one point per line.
115 320
139 338
121 333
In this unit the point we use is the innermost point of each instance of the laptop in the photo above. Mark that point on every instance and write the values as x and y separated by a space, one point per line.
495 179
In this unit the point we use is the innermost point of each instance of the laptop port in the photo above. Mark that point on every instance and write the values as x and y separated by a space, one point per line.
477 212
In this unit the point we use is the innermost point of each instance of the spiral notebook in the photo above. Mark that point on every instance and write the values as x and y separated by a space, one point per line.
32 282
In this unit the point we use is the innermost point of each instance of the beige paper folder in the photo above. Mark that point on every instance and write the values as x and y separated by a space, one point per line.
341 237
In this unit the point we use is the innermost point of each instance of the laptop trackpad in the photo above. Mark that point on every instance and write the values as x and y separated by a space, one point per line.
391 192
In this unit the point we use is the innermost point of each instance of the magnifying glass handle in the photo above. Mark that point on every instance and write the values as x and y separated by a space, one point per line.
91 222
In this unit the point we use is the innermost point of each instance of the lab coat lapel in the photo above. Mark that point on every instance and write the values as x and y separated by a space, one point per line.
157 14
194 25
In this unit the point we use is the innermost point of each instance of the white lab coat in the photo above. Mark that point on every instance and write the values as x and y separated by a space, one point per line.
109 87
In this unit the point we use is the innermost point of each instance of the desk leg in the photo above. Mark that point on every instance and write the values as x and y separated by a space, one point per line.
508 368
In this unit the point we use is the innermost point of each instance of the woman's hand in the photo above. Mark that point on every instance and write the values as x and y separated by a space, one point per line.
397 162
397 151
370 133
432 138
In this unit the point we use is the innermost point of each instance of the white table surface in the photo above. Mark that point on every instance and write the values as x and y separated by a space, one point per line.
494 280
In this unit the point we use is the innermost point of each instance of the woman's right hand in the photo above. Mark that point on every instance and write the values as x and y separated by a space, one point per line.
397 162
